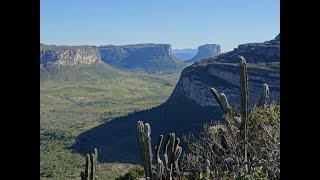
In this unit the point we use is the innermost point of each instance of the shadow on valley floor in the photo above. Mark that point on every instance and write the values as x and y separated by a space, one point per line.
116 140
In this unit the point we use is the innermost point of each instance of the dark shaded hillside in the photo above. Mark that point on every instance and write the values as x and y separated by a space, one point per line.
117 141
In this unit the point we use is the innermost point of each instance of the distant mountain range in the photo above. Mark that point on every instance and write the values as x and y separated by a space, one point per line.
191 104
150 58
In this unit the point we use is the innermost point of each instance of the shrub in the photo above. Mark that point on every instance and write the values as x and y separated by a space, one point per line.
133 174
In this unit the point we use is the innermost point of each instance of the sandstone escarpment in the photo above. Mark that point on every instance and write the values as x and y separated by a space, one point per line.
61 56
222 73
195 82
150 58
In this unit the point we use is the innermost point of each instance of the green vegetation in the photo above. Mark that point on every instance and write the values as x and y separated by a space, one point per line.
74 100
245 145
134 174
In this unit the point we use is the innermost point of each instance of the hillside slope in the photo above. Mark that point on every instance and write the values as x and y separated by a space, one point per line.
75 98
189 106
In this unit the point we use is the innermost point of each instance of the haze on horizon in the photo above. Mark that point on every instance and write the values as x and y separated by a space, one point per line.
183 24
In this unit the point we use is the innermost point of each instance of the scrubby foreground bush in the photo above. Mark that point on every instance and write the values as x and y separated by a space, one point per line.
224 148
246 145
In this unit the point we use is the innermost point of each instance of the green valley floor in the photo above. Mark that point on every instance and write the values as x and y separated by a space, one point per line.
75 100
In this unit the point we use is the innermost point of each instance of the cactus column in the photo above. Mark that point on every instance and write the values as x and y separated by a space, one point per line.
172 152
244 102
90 167
264 96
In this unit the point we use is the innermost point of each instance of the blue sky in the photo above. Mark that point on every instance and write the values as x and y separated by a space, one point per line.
181 23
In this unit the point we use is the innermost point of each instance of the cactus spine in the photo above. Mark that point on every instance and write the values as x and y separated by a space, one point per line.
172 151
264 96
90 167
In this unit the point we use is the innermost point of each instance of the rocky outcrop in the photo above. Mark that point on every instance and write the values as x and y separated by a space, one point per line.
222 73
195 82
268 51
185 54
204 51
277 37
150 58
61 56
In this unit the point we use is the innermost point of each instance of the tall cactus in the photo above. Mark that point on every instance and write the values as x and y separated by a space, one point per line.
148 151
169 169
140 130
264 96
207 172
222 100
244 102
90 167
242 121
172 153
159 165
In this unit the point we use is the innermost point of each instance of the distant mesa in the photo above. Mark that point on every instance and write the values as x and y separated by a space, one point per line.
151 58
185 54
205 51
62 56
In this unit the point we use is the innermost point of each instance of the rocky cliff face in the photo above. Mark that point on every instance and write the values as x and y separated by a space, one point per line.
57 56
195 82
222 73
204 51
148 57
268 51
